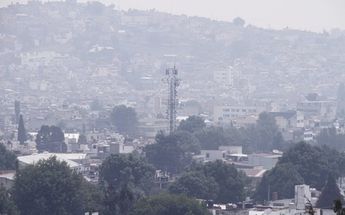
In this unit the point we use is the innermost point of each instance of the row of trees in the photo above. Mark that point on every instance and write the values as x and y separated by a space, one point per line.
173 152
302 163
126 185
192 133
50 138
262 137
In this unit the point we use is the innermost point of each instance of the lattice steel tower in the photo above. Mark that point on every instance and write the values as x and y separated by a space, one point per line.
173 82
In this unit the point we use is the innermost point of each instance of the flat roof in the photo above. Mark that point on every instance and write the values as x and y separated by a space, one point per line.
67 157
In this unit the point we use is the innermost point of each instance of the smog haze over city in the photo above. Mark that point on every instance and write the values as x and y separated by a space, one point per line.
185 107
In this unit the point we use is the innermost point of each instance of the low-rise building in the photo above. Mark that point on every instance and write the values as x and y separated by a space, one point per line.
226 113
75 161
7 178
267 161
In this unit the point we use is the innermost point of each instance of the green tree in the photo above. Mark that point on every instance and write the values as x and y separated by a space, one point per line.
93 197
338 207
124 178
167 154
302 163
187 142
214 180
17 110
269 136
120 170
7 205
51 138
212 138
281 179
230 181
238 21
192 124
119 201
329 137
8 160
22 135
48 187
314 163
125 119
165 204
196 184
329 193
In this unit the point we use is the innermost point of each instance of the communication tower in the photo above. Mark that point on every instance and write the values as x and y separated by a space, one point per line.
173 82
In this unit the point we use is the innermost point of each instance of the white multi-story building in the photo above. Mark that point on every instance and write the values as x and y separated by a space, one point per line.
226 77
322 109
227 113
302 196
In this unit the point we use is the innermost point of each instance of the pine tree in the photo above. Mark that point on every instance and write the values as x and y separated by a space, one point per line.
329 193
17 110
21 131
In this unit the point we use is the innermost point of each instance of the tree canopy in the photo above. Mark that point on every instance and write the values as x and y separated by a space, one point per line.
338 207
192 124
51 138
187 141
17 110
48 187
264 136
7 206
302 163
120 200
238 21
124 178
196 184
213 137
329 137
8 160
120 170
166 204
329 193
124 119
22 136
269 136
214 180
314 163
167 154
281 179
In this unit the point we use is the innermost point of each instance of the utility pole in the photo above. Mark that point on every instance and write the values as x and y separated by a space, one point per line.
173 82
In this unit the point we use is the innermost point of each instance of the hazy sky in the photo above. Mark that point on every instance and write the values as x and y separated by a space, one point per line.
313 15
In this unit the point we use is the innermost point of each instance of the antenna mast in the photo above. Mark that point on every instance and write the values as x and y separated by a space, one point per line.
173 83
